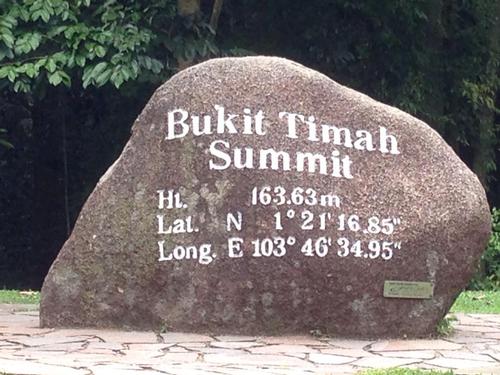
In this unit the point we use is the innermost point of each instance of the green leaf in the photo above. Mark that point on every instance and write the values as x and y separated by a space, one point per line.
21 86
50 66
66 79
87 76
34 41
11 74
100 51
56 31
117 79
156 66
55 79
8 21
41 62
8 39
99 68
103 78
4 71
45 15
31 71
6 144
36 15
80 60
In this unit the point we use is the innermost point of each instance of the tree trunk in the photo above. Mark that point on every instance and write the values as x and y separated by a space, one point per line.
214 19
188 8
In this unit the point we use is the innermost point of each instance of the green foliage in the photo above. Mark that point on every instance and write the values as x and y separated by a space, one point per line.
487 302
3 141
445 326
16 296
488 278
95 42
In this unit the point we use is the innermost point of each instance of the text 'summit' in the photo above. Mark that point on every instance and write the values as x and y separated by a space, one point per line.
294 126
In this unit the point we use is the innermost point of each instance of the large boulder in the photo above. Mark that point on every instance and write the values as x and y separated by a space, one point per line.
257 196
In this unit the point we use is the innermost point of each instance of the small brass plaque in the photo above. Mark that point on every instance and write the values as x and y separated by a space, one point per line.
408 289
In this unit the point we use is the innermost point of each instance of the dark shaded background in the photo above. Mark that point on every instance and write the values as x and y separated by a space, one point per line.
415 55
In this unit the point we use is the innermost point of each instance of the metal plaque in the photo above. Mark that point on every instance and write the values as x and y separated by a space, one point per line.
408 289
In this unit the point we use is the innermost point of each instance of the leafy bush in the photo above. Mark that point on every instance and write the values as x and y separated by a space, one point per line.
488 277
95 42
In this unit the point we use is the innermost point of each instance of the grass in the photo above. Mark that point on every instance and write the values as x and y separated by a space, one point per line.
445 326
16 296
404 371
477 302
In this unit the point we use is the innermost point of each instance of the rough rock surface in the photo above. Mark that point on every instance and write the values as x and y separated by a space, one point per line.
362 194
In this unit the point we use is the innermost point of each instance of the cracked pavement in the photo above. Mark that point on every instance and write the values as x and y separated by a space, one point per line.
473 348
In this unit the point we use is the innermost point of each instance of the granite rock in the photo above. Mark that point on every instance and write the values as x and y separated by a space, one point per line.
257 196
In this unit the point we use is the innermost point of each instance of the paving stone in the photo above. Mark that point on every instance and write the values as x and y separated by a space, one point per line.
424 366
282 348
28 313
493 354
266 370
477 347
13 319
235 338
256 359
148 346
416 354
384 362
10 308
493 335
298 371
468 351
491 317
470 338
222 351
10 354
127 337
465 319
494 318
466 355
350 344
142 357
50 340
180 357
183 369
24 331
194 345
113 345
330 359
477 328
177 349
480 370
356 353
33 368
176 337
394 345
119 369
292 340
234 344
456 363
83 359
297 355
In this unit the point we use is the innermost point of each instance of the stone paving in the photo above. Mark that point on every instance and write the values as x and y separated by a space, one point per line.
473 348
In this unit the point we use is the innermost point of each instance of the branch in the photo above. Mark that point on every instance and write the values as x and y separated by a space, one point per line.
24 60
214 19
